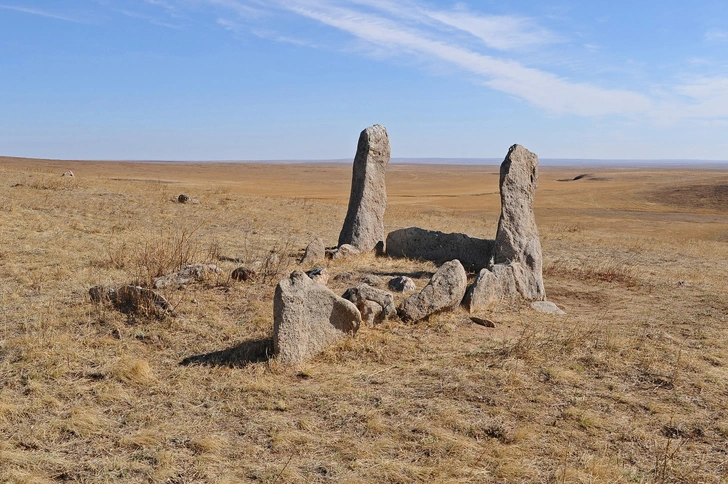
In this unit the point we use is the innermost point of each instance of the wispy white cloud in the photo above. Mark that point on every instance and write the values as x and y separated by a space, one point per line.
148 18
40 13
716 35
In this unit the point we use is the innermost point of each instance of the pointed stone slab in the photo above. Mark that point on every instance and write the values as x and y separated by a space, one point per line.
517 239
444 291
308 317
364 224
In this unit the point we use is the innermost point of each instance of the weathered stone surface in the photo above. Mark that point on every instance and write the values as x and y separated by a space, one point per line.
244 274
492 287
444 291
319 274
517 239
308 317
345 251
189 273
372 280
315 252
375 305
401 284
364 224
439 247
344 277
547 307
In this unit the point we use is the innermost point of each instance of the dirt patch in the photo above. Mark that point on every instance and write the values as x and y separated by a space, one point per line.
703 196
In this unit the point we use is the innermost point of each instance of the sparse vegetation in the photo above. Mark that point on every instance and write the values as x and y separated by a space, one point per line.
631 386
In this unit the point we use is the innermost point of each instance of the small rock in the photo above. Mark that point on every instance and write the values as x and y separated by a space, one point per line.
547 307
189 273
483 322
345 251
374 304
319 274
308 317
69 174
102 294
315 252
372 280
183 198
444 291
344 277
244 274
401 284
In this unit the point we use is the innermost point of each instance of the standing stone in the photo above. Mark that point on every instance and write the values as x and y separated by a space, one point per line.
315 252
517 238
444 291
307 317
364 224
494 286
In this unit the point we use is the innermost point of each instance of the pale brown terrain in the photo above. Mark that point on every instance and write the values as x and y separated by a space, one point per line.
630 386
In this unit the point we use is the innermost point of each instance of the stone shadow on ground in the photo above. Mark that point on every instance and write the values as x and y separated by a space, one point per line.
248 352
413 274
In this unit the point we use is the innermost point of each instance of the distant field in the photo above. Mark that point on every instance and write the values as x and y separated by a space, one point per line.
630 386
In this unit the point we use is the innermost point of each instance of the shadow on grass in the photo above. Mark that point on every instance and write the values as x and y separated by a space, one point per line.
413 274
247 352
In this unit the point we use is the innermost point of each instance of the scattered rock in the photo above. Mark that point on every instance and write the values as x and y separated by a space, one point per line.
68 174
444 291
375 305
372 280
189 273
244 274
439 247
483 322
517 239
102 294
364 224
319 274
401 284
308 317
315 252
547 307
344 277
183 198
346 251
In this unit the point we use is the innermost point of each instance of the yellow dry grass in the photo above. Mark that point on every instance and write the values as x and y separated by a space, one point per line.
630 386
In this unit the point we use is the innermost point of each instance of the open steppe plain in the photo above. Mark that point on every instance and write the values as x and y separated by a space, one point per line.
630 386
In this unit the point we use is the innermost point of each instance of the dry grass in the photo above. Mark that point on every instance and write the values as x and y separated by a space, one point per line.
631 386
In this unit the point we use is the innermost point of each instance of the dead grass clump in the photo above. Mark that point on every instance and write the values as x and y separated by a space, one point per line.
132 371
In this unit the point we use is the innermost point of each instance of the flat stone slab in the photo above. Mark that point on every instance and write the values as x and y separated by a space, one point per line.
546 307
440 247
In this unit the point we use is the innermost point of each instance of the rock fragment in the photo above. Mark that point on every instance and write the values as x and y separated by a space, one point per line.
345 251
319 274
444 291
186 275
308 317
315 252
183 198
364 224
401 284
244 274
372 280
68 174
547 307
375 305
131 298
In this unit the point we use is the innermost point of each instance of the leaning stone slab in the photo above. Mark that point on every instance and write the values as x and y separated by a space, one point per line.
308 317
547 307
375 305
517 238
439 247
444 291
315 252
364 224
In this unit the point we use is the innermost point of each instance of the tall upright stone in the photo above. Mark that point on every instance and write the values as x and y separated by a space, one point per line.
517 239
364 224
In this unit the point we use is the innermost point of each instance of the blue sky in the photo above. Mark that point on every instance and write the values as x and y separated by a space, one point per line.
299 79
